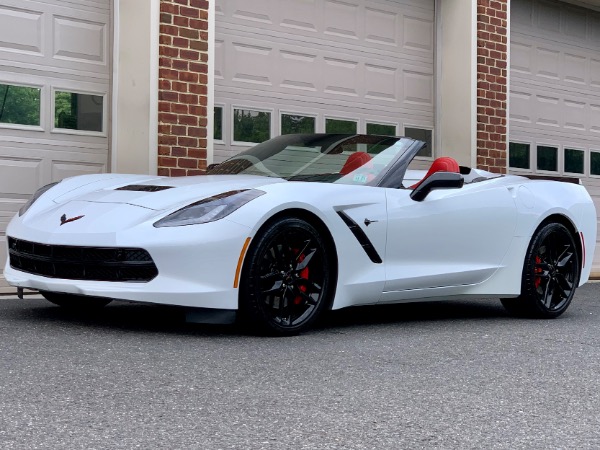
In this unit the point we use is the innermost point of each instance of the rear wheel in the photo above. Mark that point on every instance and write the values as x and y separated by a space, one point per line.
75 302
550 274
288 278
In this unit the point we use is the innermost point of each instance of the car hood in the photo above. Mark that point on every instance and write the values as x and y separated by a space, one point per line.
160 193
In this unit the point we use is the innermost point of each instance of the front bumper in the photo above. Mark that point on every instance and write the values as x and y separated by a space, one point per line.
196 264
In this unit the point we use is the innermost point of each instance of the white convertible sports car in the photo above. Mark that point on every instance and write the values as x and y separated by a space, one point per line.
304 223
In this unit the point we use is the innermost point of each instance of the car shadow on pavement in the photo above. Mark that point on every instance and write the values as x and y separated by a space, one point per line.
451 310
171 319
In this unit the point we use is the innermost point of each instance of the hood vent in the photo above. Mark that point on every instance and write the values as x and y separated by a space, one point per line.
143 188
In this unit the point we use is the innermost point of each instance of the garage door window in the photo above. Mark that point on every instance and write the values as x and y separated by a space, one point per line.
74 111
340 126
291 124
251 125
381 129
19 105
518 155
595 163
218 118
547 158
424 135
573 160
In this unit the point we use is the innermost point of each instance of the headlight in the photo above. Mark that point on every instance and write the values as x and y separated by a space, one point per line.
37 194
210 209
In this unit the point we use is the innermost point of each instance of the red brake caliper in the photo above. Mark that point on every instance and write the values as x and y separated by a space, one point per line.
303 274
537 280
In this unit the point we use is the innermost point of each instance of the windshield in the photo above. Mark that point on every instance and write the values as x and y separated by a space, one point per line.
329 158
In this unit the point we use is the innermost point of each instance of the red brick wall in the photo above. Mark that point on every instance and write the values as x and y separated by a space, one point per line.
492 88
182 87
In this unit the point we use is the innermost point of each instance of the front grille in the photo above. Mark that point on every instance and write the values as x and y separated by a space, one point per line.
82 263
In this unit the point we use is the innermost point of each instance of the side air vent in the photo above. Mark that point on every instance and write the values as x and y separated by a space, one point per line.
143 188
361 237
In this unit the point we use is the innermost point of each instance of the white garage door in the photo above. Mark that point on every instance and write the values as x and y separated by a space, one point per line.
288 66
555 93
54 84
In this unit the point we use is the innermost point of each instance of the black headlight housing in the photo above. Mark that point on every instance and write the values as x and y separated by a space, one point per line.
37 194
209 209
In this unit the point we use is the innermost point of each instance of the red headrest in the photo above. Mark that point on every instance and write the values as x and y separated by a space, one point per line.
442 164
354 161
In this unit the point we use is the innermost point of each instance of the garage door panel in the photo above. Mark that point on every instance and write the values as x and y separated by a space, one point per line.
418 33
79 40
65 169
20 30
21 176
552 110
595 118
388 25
54 35
321 73
362 61
381 82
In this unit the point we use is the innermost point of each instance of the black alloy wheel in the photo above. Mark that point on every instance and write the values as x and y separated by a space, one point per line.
550 275
287 279
75 302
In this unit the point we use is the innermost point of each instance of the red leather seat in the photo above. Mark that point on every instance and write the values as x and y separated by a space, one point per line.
354 161
443 164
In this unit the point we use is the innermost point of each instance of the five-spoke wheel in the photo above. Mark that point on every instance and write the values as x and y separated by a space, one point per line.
550 274
288 278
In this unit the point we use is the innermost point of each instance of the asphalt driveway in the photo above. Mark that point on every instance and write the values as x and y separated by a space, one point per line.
461 374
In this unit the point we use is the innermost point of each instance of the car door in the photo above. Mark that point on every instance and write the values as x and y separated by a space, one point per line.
453 237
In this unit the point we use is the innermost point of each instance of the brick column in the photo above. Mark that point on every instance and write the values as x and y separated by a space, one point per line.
492 88
182 87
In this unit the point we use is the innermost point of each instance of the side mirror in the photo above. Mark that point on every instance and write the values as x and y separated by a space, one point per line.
438 180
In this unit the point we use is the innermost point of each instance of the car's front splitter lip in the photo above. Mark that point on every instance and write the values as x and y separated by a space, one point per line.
161 290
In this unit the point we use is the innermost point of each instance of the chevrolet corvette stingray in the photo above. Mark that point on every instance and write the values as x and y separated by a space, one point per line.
305 223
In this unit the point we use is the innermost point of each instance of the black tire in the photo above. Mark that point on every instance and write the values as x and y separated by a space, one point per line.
550 274
75 302
288 278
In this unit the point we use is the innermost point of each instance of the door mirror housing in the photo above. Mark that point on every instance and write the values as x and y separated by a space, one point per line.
438 180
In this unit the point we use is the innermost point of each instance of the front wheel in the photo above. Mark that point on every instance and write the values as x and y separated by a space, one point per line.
75 302
288 278
550 274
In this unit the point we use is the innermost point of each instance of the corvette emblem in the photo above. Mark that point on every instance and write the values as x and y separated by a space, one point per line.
63 219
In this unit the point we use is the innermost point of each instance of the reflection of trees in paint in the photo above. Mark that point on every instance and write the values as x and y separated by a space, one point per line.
19 105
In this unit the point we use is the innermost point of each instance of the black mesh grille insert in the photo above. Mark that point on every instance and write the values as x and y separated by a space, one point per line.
143 188
82 263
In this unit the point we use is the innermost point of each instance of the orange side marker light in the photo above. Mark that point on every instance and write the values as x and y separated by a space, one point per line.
236 281
583 248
